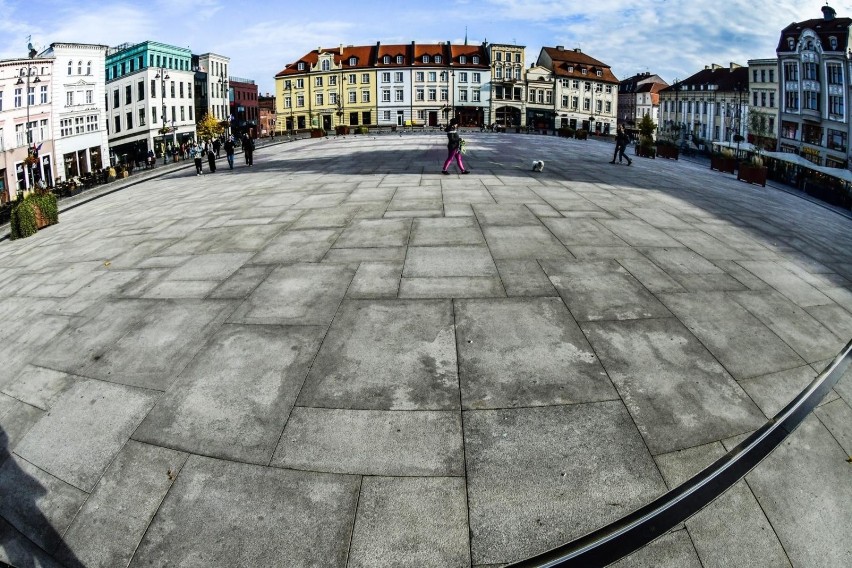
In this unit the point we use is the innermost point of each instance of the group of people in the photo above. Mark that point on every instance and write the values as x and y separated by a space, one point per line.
211 150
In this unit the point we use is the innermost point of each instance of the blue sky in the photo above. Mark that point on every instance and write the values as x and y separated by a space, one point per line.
673 38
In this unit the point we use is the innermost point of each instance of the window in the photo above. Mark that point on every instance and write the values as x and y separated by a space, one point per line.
190 114
300 83
397 77
438 59
835 76
477 77
69 98
477 96
319 99
332 98
754 98
181 89
353 79
317 81
433 94
598 106
463 77
462 59
386 115
539 96
129 118
475 59
463 95
399 59
117 124
575 84
809 71
399 95
583 71
288 102
432 77
754 75
772 75
418 95
365 78
353 98
153 115
763 75
445 94
608 89
772 100
140 90
608 107
835 105
325 65
365 117
385 95
43 95
791 100
353 61
70 64
599 73
141 117
836 140
531 95
548 97
1 103
587 104
386 59
300 66
499 56
791 72
518 57
385 77
564 101
421 114
810 100
762 100
498 72
418 76
425 59
300 100
172 89
90 95
128 95
153 88
332 80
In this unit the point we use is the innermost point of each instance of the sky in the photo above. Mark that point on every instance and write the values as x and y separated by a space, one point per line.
672 38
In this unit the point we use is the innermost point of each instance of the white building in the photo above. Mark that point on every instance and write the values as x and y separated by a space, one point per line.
217 98
393 69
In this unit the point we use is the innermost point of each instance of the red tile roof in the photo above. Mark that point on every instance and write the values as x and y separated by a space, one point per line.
571 63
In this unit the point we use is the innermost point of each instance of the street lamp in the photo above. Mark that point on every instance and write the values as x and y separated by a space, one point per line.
290 90
223 84
31 71
162 75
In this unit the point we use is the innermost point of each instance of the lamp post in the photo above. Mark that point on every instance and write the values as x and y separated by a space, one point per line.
223 84
290 90
29 131
162 76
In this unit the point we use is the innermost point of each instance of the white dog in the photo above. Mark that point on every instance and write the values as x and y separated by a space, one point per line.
538 165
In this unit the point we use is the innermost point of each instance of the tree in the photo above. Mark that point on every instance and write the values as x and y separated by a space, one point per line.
209 127
758 127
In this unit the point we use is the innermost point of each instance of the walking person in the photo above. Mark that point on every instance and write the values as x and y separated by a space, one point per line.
229 151
621 140
454 143
211 159
248 150
217 147
197 154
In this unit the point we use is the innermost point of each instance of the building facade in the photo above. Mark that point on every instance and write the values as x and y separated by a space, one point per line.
508 75
763 99
244 110
709 106
585 90
638 96
539 111
149 99
211 76
395 101
647 98
267 119
813 70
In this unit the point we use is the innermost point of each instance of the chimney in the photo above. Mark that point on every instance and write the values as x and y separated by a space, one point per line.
341 49
735 65
560 48
715 66
828 13
578 50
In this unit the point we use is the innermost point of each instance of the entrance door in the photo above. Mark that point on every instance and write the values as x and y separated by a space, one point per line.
326 122
399 117
433 118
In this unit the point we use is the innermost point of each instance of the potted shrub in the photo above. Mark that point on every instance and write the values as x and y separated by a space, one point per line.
667 149
753 171
317 132
581 134
723 161
34 212
342 129
566 132
363 130
645 147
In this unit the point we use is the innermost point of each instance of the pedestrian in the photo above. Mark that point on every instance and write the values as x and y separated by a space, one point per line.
197 154
248 150
152 159
621 140
217 147
211 159
229 151
454 144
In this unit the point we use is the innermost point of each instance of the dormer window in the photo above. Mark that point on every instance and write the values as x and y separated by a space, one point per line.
583 71
425 59
462 59
437 59
386 59
600 73
475 59
301 66
833 41
352 61
325 65
790 43
570 68
399 59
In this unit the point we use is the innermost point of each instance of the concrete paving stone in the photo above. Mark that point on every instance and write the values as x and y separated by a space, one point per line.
514 195
372 442
443 261
660 218
732 530
708 282
804 490
835 318
375 280
241 283
658 359
593 252
64 280
525 352
375 233
735 270
308 245
580 231
17 550
154 351
602 291
837 417
410 522
446 232
458 210
7 403
652 277
36 503
505 215
598 214
233 400
542 210
113 520
707 246
90 336
672 550
299 294
311 512
139 253
414 213
145 280
451 287
107 284
524 278
472 195
786 283
738 340
639 233
772 392
37 386
15 422
522 242
181 289
384 254
819 280
681 261
809 338
326 218
842 296
320 200
84 430
386 355
528 492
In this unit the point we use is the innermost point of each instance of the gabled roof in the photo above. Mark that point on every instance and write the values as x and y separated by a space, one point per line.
571 63
393 51
824 29
721 78
365 57
430 49
469 51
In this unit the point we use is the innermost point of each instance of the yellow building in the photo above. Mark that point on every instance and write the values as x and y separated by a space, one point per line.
327 88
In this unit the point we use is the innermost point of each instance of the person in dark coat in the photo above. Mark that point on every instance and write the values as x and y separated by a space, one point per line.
229 151
211 158
248 150
621 140
453 148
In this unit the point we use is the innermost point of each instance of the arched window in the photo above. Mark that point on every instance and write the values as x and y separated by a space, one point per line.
79 68
833 41
325 65
70 65
790 43
89 68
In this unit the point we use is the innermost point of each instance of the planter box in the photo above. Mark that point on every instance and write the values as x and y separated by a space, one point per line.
317 133
752 174
722 164
645 152
668 152
342 129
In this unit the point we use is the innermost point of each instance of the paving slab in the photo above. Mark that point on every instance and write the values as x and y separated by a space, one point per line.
444 261
837 417
378 233
376 280
446 232
37 386
528 492
786 282
297 246
451 287
233 400
638 233
525 352
580 231
383 355
414 522
658 358
86 427
524 278
526 241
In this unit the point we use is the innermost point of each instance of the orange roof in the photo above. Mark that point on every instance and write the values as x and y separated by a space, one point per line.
364 56
393 51
571 63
